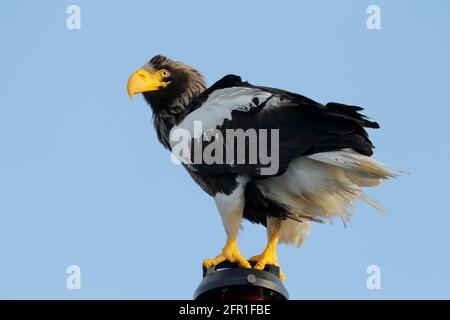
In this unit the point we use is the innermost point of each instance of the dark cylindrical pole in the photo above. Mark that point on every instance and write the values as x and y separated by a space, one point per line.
227 281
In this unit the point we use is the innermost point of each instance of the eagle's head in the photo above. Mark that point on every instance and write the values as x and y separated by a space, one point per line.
167 85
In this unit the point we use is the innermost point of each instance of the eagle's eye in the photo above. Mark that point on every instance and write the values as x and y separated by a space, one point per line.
164 73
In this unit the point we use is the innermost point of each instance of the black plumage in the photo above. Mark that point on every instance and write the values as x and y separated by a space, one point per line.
305 126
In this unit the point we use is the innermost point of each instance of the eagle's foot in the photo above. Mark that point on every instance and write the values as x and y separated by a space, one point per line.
230 253
269 256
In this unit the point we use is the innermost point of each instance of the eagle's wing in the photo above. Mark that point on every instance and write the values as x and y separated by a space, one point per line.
305 126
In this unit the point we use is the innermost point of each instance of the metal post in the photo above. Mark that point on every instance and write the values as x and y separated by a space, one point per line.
227 281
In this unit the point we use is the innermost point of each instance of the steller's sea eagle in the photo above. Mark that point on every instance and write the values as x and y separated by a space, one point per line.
323 152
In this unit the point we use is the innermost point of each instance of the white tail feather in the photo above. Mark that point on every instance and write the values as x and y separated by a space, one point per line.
323 185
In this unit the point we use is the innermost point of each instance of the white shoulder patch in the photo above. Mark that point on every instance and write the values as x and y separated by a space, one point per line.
219 105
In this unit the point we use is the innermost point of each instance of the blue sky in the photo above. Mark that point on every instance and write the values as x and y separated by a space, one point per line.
85 182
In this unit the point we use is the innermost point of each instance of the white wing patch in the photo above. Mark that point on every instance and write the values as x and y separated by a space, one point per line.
219 105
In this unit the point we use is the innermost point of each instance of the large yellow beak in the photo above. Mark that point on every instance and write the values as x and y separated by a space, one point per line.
143 81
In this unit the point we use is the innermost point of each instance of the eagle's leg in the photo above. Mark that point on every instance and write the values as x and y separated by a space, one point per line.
231 221
269 255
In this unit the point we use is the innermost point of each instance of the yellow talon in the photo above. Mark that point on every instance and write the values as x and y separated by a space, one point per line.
269 255
230 253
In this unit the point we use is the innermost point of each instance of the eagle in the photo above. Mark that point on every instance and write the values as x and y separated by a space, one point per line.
323 153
